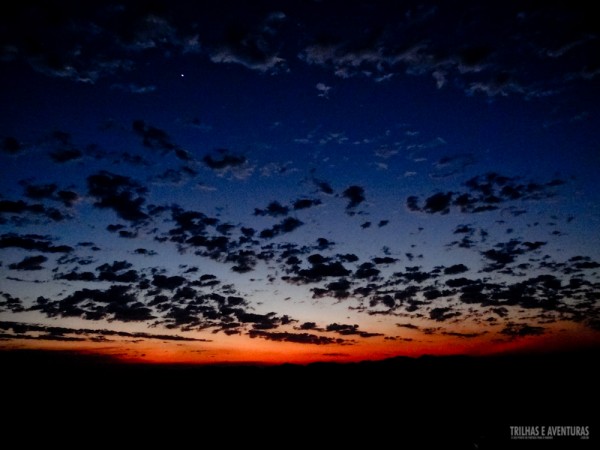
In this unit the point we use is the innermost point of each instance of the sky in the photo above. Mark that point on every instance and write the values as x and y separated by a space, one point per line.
267 182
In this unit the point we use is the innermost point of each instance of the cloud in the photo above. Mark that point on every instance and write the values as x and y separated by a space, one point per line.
287 225
50 192
516 330
323 186
117 272
254 49
20 331
309 326
118 302
262 321
336 289
63 149
355 195
66 155
323 90
298 338
157 139
227 162
119 193
11 146
274 209
486 193
438 203
448 166
10 303
455 269
21 212
134 88
29 263
407 325
505 253
463 335
320 268
349 330
305 203
442 314
34 242
91 42
366 270
169 283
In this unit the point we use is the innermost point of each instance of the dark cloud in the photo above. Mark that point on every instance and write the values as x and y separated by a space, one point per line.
412 203
355 195
176 176
86 43
516 330
583 262
117 272
40 191
308 326
76 276
337 289
455 269
11 146
366 270
68 198
448 166
460 282
65 155
320 268
408 325
486 193
20 331
169 283
287 225
438 203
10 303
50 192
122 194
158 139
442 314
505 253
349 330
118 302
384 260
299 338
152 137
226 160
304 203
464 229
463 335
20 212
261 321
63 148
273 209
32 242
415 274
323 187
254 48
244 260
29 263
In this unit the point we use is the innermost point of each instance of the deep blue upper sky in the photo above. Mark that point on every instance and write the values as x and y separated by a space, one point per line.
313 172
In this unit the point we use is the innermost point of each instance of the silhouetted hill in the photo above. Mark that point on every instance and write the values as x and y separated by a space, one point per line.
454 401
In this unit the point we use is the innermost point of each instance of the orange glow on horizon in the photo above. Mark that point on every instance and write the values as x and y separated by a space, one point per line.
244 350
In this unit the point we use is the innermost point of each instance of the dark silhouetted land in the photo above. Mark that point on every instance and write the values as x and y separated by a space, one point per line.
427 402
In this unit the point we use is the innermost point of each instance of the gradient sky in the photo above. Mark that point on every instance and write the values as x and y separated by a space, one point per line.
298 181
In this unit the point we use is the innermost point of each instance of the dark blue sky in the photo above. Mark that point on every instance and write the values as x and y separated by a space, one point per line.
298 180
